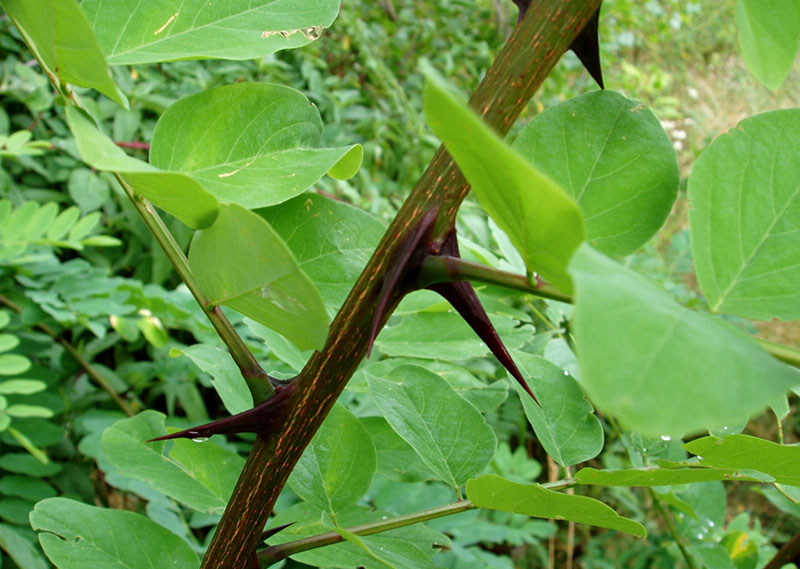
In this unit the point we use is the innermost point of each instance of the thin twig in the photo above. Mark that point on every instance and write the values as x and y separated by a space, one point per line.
789 553
93 372
671 528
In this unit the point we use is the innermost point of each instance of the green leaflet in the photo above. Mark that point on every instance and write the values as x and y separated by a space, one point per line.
242 263
447 432
202 476
160 30
496 493
60 35
768 34
75 536
254 144
336 469
176 193
226 378
745 218
660 368
565 422
612 155
542 221
746 452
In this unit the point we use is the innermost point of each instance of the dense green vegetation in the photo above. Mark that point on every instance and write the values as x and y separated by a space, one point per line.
97 327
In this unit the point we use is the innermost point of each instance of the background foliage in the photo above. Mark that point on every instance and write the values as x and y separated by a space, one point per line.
96 327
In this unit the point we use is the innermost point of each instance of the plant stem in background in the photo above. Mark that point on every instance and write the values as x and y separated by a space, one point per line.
671 528
789 553
255 376
275 553
533 49
98 377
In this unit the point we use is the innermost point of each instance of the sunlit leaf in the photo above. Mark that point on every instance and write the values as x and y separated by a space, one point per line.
256 145
60 35
176 193
542 221
160 30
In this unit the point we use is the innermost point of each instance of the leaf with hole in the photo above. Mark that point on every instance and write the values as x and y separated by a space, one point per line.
160 30
660 368
612 155
257 145
241 262
496 493
542 221
75 535
745 218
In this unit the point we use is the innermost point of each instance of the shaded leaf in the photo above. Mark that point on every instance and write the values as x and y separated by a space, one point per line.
612 155
542 221
75 536
745 218
226 378
20 550
242 263
336 469
332 241
202 476
446 431
496 493
659 367
160 30
565 422
256 145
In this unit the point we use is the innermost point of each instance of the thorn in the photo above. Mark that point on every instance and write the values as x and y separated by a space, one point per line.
268 533
408 256
586 46
462 296
261 419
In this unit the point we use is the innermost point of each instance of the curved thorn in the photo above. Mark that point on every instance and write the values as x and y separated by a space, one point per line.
462 296
408 256
587 47
268 533
260 419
